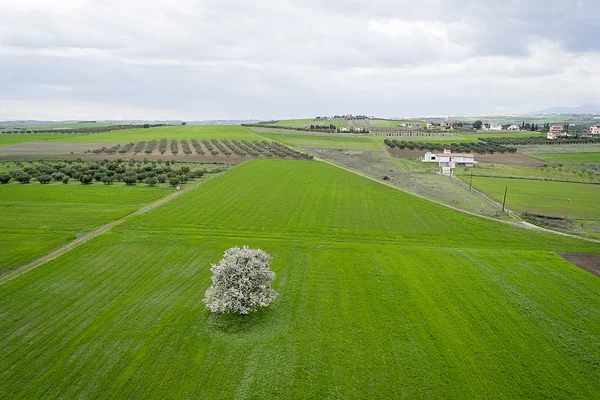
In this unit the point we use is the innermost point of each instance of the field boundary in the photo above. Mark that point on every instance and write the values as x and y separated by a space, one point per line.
20 270
521 224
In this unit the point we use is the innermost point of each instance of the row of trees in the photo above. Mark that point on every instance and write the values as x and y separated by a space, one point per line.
186 147
84 130
471 147
162 146
527 141
105 171
214 147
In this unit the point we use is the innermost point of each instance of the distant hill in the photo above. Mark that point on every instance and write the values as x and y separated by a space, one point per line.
583 109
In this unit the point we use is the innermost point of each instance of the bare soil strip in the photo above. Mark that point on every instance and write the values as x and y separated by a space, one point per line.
18 271
588 261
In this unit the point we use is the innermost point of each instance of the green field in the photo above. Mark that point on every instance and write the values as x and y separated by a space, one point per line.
383 295
555 172
35 218
570 158
543 197
327 142
7 139
231 132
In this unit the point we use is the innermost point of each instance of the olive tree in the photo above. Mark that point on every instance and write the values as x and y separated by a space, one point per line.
241 282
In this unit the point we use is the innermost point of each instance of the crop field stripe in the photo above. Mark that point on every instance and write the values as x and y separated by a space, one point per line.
20 270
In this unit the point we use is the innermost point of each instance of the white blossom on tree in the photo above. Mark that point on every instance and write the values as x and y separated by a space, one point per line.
241 282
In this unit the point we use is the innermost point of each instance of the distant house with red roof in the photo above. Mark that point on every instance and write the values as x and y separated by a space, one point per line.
556 132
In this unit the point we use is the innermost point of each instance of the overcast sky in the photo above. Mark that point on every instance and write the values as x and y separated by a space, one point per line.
189 59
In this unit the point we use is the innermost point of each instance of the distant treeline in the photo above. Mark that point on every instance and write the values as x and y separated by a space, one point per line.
91 129
525 141
312 128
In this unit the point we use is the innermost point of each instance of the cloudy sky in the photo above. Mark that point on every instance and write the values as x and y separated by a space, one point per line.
223 59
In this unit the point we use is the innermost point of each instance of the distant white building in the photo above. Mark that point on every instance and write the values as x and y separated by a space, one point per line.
446 124
556 132
513 127
594 130
406 125
448 160
494 126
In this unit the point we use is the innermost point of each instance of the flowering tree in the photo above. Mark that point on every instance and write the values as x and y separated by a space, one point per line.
241 282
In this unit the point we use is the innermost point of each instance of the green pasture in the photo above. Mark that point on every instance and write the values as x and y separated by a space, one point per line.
383 295
544 172
35 219
7 139
570 158
543 197
334 141
229 132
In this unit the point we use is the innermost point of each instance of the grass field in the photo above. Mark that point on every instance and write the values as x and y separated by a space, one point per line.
36 219
544 172
231 132
7 139
328 142
570 158
543 197
383 295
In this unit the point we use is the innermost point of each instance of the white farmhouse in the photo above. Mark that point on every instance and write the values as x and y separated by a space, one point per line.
594 130
448 160
513 127
556 132
494 126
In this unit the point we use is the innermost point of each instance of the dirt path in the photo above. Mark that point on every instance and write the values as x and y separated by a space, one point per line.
18 271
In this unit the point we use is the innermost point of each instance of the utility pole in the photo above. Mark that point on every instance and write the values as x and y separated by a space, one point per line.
504 201
471 181
567 213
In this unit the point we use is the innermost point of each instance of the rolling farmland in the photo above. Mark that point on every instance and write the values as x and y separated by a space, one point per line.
36 219
233 132
383 295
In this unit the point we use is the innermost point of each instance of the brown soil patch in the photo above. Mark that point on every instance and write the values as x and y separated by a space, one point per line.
588 261
396 152
508 159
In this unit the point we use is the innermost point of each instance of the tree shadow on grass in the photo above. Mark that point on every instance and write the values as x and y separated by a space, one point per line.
239 324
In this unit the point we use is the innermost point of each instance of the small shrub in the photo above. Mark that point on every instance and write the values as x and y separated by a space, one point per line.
4 178
44 179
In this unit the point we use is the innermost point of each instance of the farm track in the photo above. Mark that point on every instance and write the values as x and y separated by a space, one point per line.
18 271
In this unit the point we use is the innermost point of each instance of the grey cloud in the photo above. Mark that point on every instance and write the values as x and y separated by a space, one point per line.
290 58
